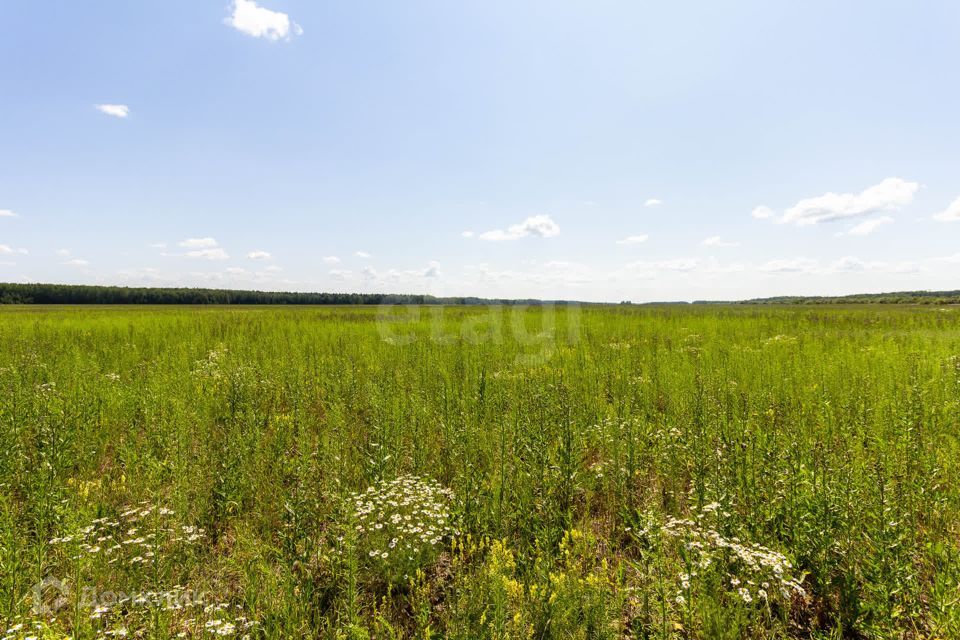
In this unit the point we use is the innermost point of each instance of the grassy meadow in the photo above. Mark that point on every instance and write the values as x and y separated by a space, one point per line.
480 472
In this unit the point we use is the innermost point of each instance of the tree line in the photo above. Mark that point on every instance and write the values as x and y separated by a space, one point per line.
15 293
38 293
898 297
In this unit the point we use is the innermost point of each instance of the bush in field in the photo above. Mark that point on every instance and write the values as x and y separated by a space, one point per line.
752 573
401 524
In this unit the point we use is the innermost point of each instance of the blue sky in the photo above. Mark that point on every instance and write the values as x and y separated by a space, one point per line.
595 150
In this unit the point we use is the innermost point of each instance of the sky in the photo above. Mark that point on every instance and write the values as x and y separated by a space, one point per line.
595 150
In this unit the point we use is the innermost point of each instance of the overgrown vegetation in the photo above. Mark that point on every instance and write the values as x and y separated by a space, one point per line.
474 472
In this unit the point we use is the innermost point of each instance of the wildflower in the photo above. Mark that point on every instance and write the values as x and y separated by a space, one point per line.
408 513
748 563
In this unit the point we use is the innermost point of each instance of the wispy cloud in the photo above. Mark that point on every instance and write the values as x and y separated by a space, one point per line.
115 110
250 18
467 234
215 253
6 250
889 194
6 213
541 226
867 227
653 202
796 265
77 262
762 212
258 255
717 241
330 260
950 214
629 240
846 264
198 243
206 248
390 276
646 269
362 254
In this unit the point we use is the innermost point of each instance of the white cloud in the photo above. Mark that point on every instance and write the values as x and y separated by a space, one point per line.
235 276
63 252
950 214
652 202
951 259
206 248
678 264
272 269
198 243
634 239
157 245
331 260
848 263
541 226
867 227
362 254
6 250
215 253
77 262
889 194
553 273
258 255
675 264
6 213
467 234
797 265
254 20
762 212
115 110
392 276
717 241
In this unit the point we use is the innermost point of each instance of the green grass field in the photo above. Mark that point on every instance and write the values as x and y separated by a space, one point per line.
468 472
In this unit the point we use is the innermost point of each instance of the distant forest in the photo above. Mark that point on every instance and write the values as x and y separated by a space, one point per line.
11 293
898 297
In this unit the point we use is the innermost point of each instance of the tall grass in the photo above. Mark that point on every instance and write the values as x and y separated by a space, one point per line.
663 472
